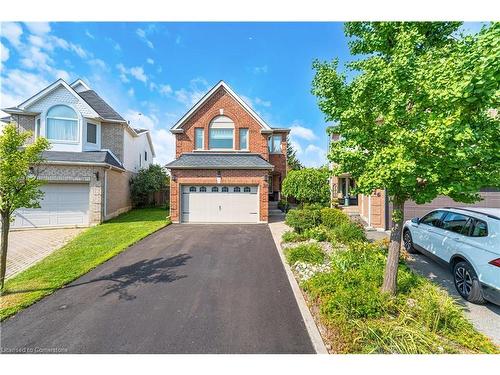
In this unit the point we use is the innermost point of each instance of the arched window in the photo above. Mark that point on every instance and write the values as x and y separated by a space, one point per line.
192 189
246 189
203 189
215 189
62 124
221 133
225 189
237 189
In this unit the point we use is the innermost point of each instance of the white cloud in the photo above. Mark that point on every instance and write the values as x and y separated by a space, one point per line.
297 131
150 61
19 85
38 28
137 72
260 69
143 35
264 103
98 63
78 50
89 34
4 52
189 96
12 32
313 156
165 89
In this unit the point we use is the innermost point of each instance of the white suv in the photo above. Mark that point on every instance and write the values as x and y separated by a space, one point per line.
466 239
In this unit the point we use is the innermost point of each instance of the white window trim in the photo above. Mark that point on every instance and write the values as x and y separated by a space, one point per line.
248 139
272 140
78 124
88 144
202 139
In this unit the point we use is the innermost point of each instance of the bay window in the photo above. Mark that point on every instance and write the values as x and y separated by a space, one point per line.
275 144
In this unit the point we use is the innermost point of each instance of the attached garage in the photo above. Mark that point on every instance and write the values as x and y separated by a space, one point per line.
220 204
62 205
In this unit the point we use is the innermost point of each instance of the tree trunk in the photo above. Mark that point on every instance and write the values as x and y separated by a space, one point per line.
5 220
391 268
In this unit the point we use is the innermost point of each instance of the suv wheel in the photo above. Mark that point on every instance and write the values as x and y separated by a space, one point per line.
467 283
408 242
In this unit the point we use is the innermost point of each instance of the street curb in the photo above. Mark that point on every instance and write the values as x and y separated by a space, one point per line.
312 329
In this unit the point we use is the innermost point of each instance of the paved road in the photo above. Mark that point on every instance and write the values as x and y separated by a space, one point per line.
485 318
184 289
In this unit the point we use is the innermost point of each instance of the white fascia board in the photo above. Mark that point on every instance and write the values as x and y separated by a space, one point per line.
52 87
208 95
80 81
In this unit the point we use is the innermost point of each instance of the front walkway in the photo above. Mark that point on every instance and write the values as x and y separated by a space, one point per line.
27 247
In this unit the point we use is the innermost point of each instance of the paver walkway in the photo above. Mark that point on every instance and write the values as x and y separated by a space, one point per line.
27 247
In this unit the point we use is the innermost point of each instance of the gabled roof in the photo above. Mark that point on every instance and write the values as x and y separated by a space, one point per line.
216 160
100 106
46 91
207 96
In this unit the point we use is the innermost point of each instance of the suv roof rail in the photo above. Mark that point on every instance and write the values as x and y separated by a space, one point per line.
474 211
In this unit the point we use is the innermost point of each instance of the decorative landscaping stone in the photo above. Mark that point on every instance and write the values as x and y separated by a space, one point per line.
304 271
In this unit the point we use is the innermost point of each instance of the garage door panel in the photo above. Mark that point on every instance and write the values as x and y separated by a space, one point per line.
220 207
62 204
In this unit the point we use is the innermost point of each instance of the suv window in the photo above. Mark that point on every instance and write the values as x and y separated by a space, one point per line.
468 227
433 219
480 229
454 222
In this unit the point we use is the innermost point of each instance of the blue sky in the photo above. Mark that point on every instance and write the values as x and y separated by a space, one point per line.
152 73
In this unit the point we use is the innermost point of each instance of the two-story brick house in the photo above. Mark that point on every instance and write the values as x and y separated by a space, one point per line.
94 152
229 162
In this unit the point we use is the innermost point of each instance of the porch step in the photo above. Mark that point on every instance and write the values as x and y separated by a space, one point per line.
276 212
273 205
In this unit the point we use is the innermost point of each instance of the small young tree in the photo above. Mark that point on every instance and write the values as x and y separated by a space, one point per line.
146 182
419 118
291 156
18 187
308 185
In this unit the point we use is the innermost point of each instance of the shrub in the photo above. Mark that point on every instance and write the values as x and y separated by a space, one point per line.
302 219
333 217
291 236
147 181
318 233
422 318
307 185
308 253
283 205
346 233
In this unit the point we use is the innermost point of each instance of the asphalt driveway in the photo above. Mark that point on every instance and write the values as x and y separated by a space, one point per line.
184 289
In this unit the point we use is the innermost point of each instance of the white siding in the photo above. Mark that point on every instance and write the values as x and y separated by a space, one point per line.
62 96
133 147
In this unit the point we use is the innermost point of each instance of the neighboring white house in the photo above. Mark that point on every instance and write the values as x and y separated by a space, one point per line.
94 153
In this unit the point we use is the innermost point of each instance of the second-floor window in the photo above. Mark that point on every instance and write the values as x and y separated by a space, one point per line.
275 144
145 156
62 124
199 134
243 139
221 133
91 133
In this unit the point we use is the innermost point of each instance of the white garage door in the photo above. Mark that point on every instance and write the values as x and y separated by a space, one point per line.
62 204
220 204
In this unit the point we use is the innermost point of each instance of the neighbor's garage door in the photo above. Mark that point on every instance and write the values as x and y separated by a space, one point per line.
62 204
220 204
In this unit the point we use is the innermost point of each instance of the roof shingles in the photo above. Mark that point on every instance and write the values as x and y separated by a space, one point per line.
102 108
91 157
219 161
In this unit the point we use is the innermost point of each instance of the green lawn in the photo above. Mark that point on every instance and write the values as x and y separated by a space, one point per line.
85 252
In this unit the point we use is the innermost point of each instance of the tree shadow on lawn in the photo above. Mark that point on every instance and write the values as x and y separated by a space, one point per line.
151 271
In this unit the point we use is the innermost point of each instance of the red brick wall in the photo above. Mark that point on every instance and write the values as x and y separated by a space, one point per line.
232 109
228 177
279 161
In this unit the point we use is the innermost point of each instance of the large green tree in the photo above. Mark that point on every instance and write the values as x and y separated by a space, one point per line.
146 182
19 186
418 113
